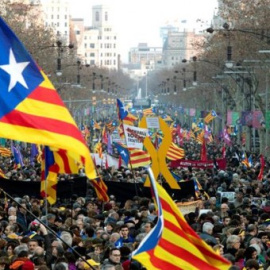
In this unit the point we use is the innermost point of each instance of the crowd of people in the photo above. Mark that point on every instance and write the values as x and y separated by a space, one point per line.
85 233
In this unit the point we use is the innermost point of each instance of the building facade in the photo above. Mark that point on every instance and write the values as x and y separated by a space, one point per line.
97 44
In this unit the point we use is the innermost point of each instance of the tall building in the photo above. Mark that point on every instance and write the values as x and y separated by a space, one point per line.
179 45
57 17
146 56
98 43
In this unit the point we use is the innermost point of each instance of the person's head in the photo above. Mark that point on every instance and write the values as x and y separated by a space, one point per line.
12 211
252 264
124 231
32 245
226 221
148 227
115 255
233 241
12 219
250 253
207 227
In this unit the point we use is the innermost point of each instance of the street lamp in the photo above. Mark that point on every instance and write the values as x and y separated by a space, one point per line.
93 83
59 55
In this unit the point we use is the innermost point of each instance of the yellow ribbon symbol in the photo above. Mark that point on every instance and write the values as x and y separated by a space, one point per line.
158 156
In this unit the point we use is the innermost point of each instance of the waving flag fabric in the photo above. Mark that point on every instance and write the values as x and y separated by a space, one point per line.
210 116
175 152
122 112
100 189
172 243
148 111
262 161
98 149
54 162
5 152
139 158
49 173
18 159
2 174
130 119
123 152
31 109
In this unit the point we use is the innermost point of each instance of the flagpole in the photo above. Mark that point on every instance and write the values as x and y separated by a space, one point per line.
46 187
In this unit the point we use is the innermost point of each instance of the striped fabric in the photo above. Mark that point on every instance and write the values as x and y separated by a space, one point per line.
98 149
172 244
130 119
139 158
96 125
2 174
5 152
148 111
175 152
200 137
100 189
110 127
210 116
31 109
53 163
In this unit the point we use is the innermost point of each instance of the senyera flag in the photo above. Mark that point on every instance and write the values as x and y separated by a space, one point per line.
31 109
172 243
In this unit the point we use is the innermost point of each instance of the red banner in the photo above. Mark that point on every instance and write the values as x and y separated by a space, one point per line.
198 164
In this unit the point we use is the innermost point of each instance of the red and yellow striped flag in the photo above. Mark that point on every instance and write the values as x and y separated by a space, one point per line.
98 149
31 109
2 174
172 243
210 116
53 163
139 158
5 152
130 119
100 189
175 152
148 111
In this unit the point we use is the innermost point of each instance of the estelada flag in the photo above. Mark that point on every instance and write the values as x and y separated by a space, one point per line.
31 109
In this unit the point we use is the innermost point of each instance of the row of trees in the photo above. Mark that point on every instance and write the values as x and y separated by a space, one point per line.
239 32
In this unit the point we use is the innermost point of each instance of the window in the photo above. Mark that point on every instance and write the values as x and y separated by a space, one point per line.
52 16
101 45
77 32
106 16
92 45
58 16
97 16
65 24
65 16
92 62
92 55
58 24
85 45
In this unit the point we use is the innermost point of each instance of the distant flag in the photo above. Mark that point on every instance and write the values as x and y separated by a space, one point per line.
130 119
110 127
244 160
104 136
31 109
123 152
210 116
2 174
96 125
109 145
139 158
106 162
148 111
196 188
172 243
33 153
54 162
49 173
226 137
100 189
176 177
174 152
204 150
122 112
98 149
18 159
85 132
119 161
262 161
250 161
5 152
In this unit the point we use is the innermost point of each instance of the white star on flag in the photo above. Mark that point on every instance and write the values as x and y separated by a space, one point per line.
15 70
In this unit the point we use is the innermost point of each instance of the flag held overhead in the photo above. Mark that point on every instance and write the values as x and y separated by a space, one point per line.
31 109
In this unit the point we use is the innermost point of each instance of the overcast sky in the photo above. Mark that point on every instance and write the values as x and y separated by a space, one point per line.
139 21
